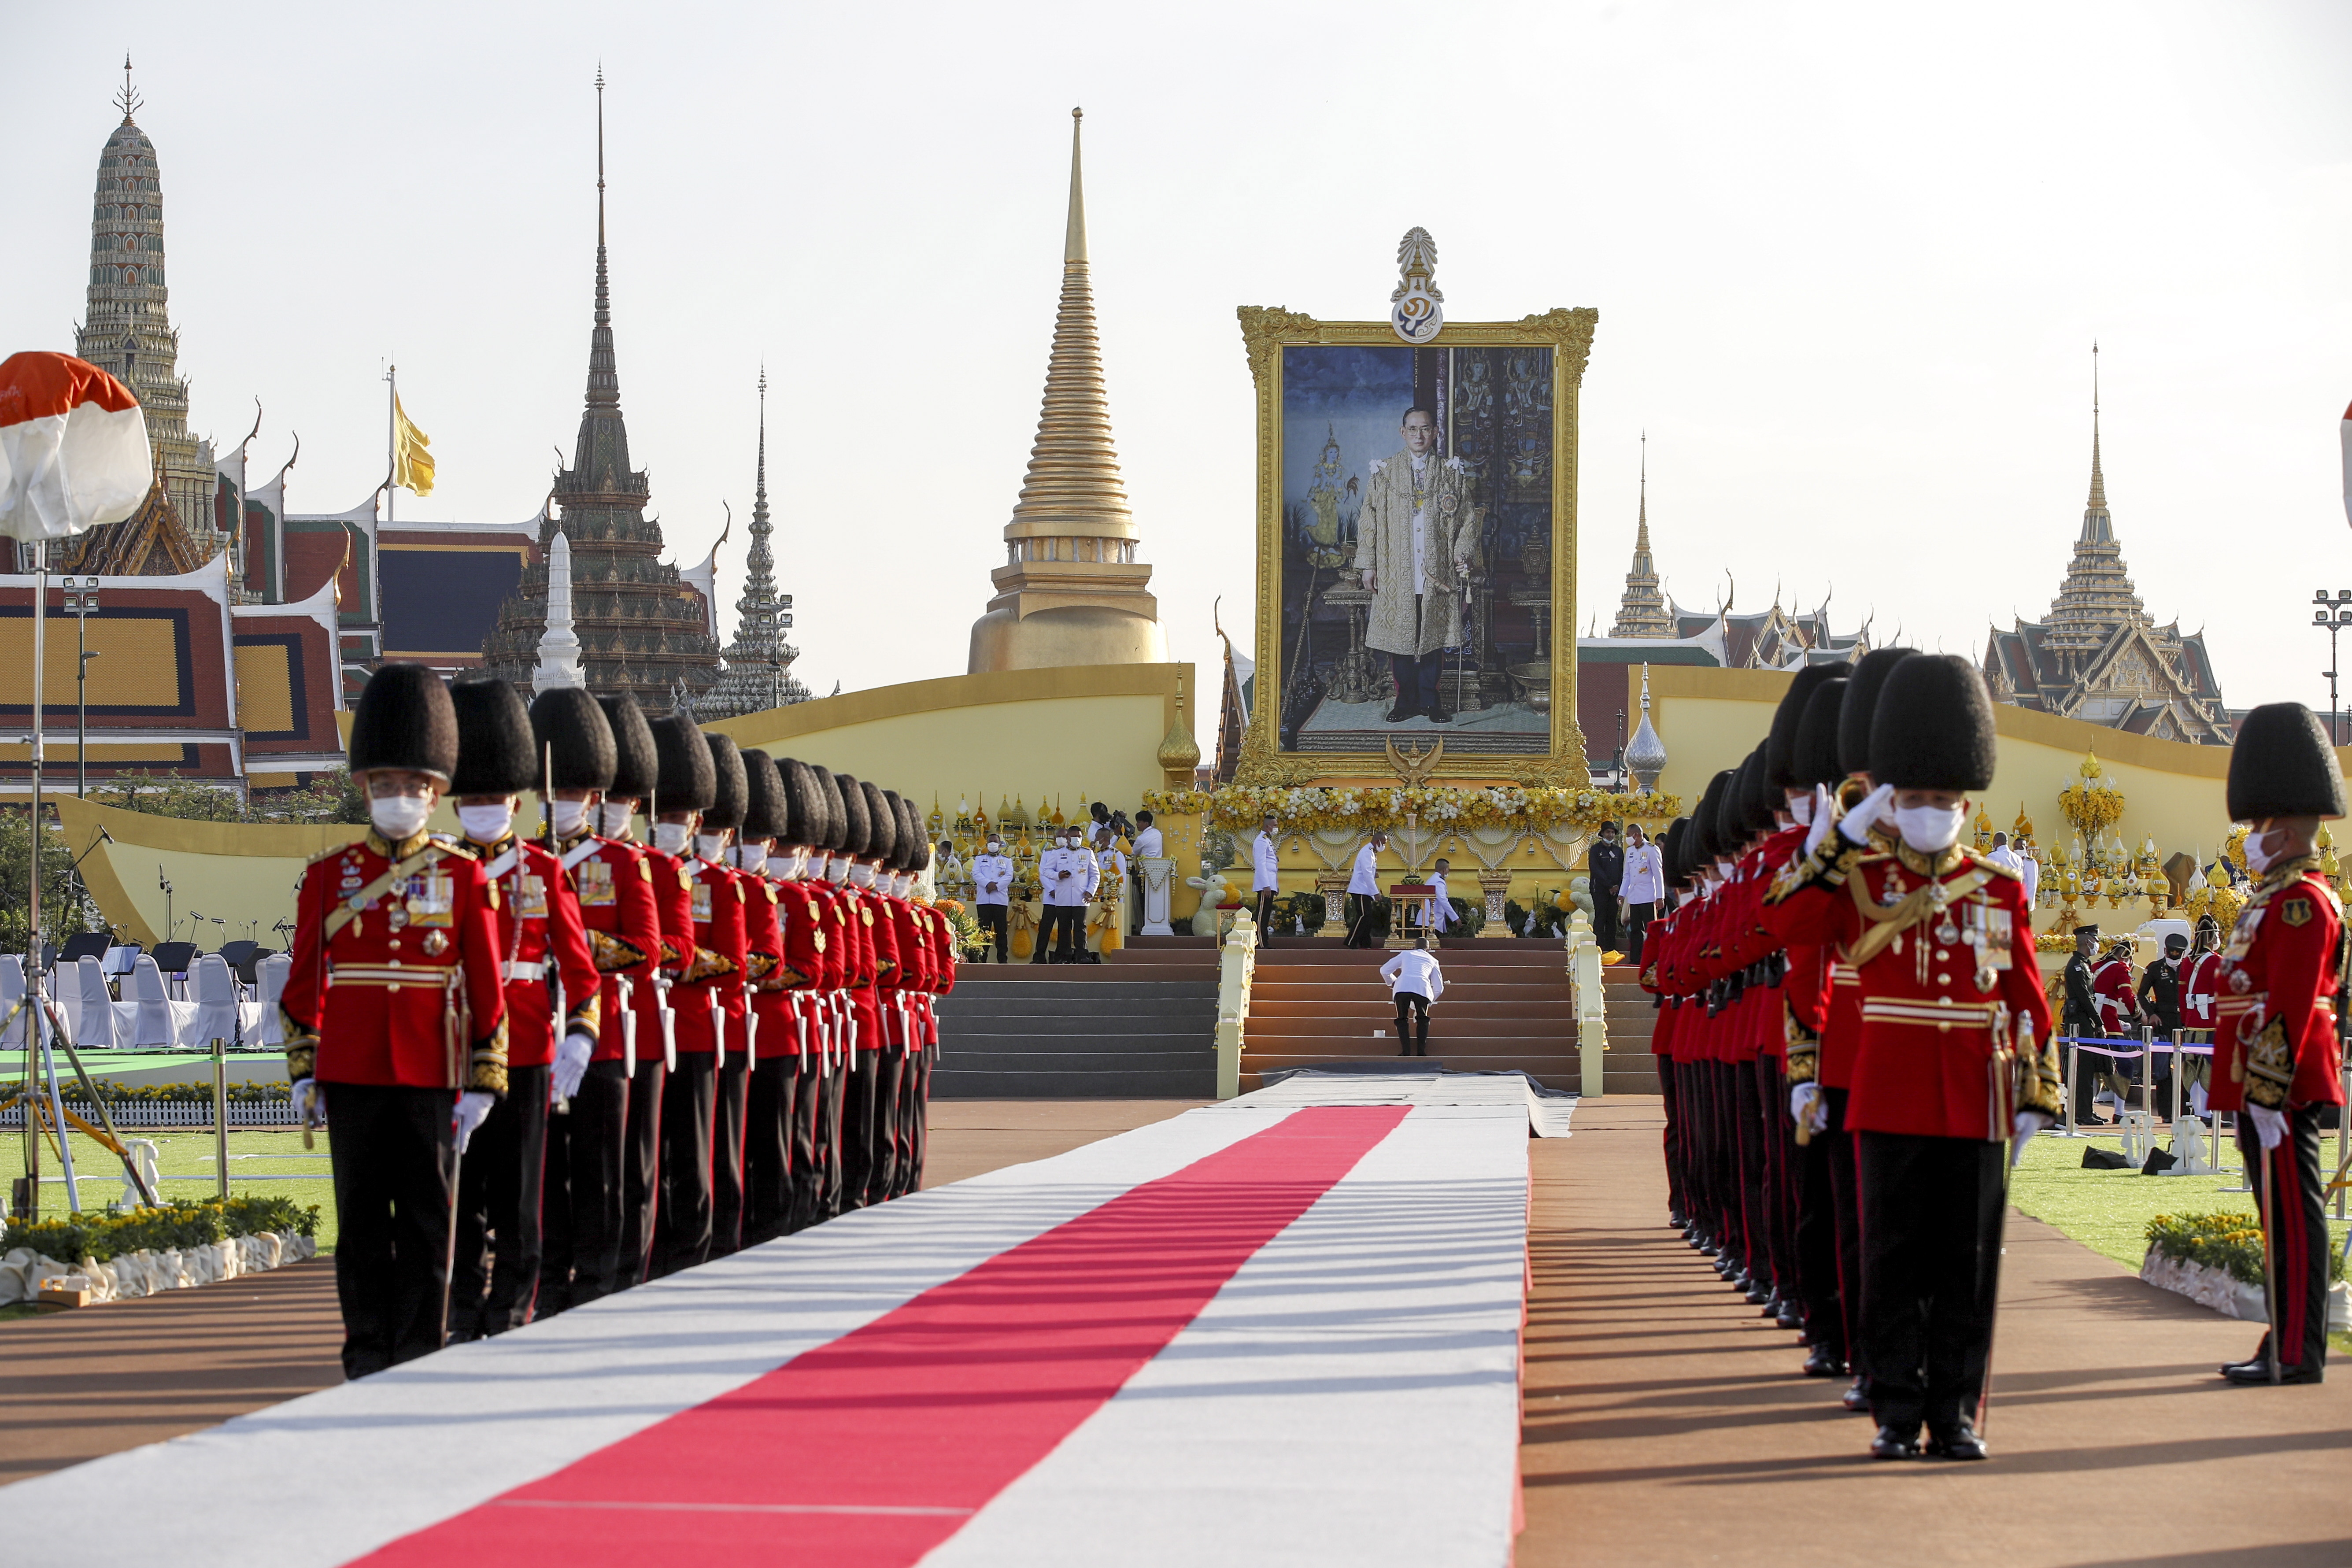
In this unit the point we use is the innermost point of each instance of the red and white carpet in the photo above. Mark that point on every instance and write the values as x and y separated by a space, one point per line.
1271 1331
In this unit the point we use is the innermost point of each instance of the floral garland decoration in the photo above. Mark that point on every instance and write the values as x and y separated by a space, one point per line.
1437 807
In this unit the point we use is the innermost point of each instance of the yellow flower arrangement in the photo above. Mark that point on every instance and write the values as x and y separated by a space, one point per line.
1436 806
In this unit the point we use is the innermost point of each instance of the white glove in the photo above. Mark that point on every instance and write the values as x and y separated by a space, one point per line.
2028 1123
1855 825
571 1064
1819 828
309 1103
1805 1105
472 1106
2268 1126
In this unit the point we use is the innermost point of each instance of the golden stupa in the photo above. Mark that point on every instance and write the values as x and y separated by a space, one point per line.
1071 591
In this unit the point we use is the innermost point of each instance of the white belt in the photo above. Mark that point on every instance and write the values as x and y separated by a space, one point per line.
518 970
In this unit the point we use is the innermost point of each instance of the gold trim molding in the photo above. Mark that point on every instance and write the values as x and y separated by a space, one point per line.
1266 331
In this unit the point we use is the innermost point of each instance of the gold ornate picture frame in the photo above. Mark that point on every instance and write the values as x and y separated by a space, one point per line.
1267 332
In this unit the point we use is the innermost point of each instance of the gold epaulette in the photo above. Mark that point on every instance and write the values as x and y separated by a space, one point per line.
344 849
449 845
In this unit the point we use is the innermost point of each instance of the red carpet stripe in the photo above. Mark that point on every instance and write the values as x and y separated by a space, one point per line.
869 1451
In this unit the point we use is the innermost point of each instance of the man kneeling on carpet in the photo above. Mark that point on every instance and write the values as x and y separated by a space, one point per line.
1416 981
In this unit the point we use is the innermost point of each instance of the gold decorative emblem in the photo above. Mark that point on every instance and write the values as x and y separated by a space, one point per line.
436 942
868 914
2295 911
816 940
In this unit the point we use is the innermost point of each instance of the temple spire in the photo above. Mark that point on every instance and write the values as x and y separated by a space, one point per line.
1642 523
603 367
127 100
1641 611
1070 547
2098 502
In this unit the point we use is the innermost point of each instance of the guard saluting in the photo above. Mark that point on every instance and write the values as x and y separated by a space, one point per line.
2276 1053
1956 1054
494 1279
394 1015
580 1197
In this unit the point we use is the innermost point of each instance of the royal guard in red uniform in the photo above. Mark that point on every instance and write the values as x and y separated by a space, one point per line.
915 958
688 787
2200 992
843 964
900 976
730 931
580 1193
944 959
650 1037
1663 1045
2278 1054
1841 1027
494 1275
1956 1067
803 906
395 1019
872 836
768 1114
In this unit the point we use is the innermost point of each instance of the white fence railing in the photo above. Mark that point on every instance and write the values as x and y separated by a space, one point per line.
169 1113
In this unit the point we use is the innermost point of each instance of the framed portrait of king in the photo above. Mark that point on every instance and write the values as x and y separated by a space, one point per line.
1416 532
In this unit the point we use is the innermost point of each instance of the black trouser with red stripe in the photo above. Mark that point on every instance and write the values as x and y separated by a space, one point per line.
689 1113
729 1126
1669 1090
579 1201
641 1166
2298 1233
767 1146
1821 1274
393 1153
1930 1234
1751 1134
494 1272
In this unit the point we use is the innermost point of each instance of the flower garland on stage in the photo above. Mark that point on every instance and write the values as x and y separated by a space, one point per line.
1442 807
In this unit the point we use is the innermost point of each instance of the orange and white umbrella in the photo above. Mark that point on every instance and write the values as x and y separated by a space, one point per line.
73 447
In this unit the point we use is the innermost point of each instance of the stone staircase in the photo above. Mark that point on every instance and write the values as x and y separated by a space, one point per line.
1139 1025
1508 1005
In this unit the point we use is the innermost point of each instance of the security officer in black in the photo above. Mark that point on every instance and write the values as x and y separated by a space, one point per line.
2081 1016
1605 871
2160 1001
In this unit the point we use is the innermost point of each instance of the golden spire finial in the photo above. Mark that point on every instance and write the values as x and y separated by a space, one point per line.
1179 753
1074 240
2098 502
127 100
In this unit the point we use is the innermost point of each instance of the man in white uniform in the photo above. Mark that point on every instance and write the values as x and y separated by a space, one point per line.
1440 903
992 894
1054 874
1415 981
1266 872
1640 889
1364 891
1147 847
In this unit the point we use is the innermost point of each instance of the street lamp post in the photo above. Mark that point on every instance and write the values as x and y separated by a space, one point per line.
80 600
2333 615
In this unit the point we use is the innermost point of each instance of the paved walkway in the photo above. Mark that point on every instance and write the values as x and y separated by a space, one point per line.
81 1384
1665 1423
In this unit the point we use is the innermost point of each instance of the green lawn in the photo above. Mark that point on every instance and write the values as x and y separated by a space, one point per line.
185 1157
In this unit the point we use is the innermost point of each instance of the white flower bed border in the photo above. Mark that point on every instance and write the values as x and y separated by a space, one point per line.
2232 1297
137 1274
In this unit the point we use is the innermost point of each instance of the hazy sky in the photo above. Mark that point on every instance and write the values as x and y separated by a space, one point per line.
1849 262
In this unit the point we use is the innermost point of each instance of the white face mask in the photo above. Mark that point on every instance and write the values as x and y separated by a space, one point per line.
710 845
994 848
797 866
1801 811
861 874
670 837
836 869
1930 829
399 817
486 824
570 816
752 858
2258 860
615 818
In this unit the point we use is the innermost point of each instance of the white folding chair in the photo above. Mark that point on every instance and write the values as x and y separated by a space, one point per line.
269 984
94 1021
152 1023
215 1014
12 991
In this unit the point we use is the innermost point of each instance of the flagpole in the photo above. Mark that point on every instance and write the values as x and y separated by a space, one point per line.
391 441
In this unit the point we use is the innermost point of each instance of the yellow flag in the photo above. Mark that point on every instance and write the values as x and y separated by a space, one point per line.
411 463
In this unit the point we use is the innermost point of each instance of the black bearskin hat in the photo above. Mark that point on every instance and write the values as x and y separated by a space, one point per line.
1672 846
1861 706
1780 747
802 817
636 766
1817 736
496 754
857 822
1731 812
2281 766
835 822
914 838
881 824
1704 821
731 794
1762 797
902 842
567 718
763 797
688 781
405 721
1933 729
